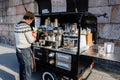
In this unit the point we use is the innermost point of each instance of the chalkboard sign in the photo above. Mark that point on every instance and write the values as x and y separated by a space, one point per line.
54 6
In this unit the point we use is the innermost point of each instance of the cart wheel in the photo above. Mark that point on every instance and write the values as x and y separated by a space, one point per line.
49 76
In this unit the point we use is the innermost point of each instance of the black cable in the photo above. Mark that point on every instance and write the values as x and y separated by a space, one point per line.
24 6
105 15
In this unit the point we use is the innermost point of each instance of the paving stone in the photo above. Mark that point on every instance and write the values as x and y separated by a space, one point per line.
20 9
102 10
114 2
115 18
11 11
107 78
96 3
94 76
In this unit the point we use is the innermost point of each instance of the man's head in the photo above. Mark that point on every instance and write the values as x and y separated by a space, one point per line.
29 17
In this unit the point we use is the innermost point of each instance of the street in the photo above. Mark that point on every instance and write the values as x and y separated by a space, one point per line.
9 67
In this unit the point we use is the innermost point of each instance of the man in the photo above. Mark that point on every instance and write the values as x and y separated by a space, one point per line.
24 37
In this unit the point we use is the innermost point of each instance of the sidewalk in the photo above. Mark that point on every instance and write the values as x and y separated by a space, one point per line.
9 67
8 63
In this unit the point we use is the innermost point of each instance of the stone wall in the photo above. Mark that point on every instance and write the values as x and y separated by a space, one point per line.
11 12
109 26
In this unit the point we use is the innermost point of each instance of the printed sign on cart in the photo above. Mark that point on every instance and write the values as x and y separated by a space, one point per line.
59 6
37 22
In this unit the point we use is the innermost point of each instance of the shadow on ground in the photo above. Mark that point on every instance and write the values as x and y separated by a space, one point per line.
9 68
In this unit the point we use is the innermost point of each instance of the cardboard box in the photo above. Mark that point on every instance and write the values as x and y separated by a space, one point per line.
89 39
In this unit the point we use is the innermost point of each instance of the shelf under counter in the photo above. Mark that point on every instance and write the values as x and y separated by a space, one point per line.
60 50
66 61
64 50
93 52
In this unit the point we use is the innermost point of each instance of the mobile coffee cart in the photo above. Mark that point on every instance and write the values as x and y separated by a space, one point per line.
61 42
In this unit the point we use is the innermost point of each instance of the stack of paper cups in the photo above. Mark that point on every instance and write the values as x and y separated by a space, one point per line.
56 22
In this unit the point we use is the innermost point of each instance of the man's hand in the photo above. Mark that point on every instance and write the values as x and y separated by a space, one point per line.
34 34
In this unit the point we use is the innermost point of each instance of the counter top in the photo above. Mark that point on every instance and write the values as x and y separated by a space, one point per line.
93 52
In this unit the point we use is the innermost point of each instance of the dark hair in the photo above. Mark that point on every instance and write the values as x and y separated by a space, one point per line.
29 15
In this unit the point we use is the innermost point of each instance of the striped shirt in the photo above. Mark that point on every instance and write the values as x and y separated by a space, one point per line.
23 35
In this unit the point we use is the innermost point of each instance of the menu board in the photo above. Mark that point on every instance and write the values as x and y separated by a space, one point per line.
59 5
56 6
37 22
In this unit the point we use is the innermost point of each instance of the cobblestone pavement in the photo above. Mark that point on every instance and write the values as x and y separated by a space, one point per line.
9 67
